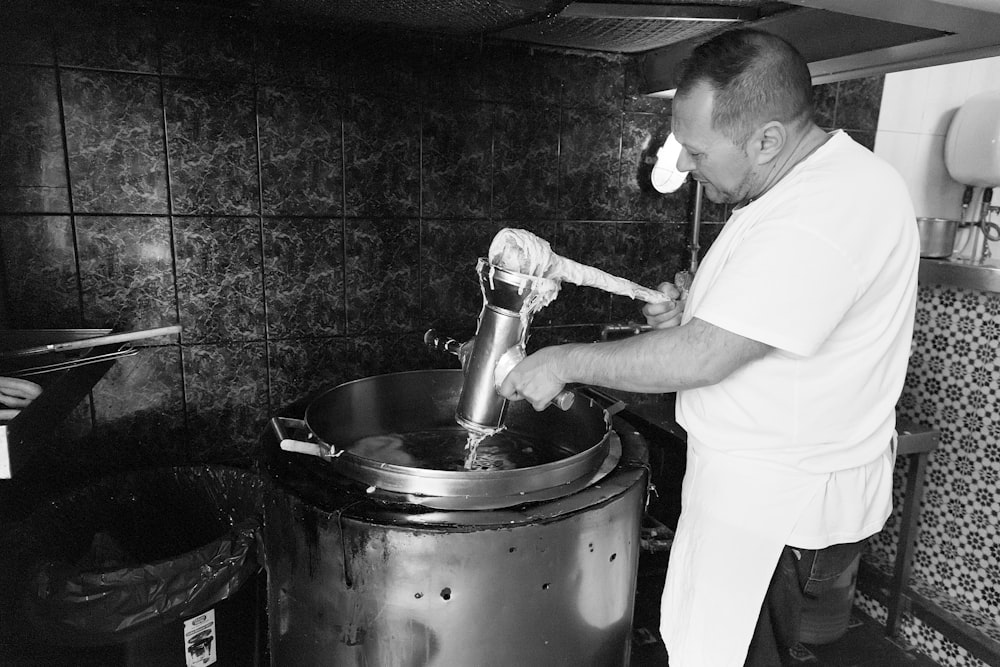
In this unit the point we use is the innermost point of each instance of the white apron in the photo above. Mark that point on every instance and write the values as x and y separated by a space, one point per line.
736 517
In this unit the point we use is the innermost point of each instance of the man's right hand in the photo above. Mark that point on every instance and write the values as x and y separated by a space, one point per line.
665 314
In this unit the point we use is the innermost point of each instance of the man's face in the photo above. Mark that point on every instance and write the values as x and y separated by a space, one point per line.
725 169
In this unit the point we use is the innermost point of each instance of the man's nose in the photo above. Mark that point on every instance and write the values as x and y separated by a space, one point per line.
684 161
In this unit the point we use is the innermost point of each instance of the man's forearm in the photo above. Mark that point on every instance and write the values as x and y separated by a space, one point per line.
696 354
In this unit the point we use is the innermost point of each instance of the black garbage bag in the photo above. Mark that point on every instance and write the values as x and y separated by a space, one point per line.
134 551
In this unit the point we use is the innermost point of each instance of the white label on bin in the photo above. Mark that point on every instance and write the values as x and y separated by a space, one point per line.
200 640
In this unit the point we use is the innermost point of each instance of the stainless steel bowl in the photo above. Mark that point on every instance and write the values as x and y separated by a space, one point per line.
937 237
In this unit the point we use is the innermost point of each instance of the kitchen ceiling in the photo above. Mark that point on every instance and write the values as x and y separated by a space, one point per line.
840 38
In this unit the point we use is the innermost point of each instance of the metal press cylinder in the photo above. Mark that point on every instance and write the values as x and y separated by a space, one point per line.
480 407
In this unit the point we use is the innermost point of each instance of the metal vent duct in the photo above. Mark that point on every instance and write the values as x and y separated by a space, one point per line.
460 17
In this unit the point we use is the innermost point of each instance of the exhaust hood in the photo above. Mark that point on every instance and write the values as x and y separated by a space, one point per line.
840 38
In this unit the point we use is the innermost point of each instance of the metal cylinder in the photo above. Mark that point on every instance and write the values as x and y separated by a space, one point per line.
501 326
355 581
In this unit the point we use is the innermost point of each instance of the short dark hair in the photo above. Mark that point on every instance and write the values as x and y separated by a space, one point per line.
757 77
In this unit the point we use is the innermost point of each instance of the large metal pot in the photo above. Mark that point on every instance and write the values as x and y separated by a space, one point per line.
365 576
397 433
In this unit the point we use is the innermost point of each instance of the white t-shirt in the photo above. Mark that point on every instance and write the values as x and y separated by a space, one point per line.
794 448
831 284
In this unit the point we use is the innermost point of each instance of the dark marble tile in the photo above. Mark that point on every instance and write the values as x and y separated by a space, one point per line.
225 390
40 272
114 134
635 98
139 411
518 75
825 105
304 277
32 160
590 152
450 297
453 70
858 103
126 272
383 275
866 139
300 367
642 136
649 254
543 336
212 147
377 355
26 33
456 149
374 62
382 157
298 55
219 290
525 162
594 82
207 44
301 152
588 243
109 35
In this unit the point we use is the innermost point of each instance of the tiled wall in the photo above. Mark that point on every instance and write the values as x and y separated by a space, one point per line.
305 202
952 379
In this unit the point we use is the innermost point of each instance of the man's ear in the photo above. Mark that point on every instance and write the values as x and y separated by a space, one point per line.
768 141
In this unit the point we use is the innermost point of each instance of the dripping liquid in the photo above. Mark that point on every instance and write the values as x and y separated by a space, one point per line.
452 449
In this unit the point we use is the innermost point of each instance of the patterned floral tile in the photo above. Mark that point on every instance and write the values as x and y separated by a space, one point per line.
126 272
590 153
456 158
952 386
382 157
225 391
525 162
212 148
301 152
304 276
114 134
32 160
219 279
109 35
383 276
40 272
206 45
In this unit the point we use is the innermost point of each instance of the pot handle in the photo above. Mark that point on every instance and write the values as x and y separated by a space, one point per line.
612 404
288 444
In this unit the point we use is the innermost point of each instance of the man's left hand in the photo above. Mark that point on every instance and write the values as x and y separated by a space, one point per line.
537 378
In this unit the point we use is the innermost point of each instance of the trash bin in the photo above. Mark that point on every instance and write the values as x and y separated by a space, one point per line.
161 565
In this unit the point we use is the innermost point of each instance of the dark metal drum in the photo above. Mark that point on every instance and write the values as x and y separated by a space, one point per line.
368 576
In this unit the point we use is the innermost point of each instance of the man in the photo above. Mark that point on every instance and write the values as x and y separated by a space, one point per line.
788 359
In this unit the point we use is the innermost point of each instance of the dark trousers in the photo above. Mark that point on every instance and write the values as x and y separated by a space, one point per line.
800 573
